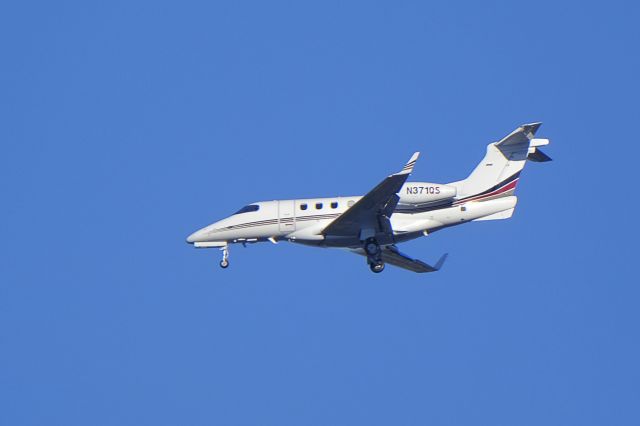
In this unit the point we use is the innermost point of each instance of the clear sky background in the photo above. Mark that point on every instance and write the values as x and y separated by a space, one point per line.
126 125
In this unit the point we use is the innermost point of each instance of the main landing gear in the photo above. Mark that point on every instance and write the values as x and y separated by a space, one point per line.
374 255
224 263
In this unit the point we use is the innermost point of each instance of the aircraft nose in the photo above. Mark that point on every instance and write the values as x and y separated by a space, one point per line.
202 235
194 237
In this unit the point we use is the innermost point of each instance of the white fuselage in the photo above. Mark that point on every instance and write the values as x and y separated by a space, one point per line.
303 221
394 211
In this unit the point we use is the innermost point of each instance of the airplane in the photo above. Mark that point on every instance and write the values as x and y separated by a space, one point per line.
393 212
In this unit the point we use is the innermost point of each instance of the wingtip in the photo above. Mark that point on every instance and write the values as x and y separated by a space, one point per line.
408 168
441 261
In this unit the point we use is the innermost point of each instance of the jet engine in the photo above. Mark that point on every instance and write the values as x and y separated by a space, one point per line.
425 192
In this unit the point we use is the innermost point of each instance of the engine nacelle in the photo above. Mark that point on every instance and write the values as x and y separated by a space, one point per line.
425 192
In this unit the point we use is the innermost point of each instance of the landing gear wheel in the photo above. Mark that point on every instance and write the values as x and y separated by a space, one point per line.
377 267
371 247
224 263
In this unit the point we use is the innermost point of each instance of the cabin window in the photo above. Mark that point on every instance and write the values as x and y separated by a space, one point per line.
318 206
334 205
249 208
303 206
463 209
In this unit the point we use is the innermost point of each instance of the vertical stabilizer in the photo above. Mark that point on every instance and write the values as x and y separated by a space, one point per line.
498 172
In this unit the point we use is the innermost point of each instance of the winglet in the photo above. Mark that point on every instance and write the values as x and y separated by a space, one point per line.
408 168
440 262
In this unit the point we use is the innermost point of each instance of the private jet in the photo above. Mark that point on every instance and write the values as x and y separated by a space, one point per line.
393 212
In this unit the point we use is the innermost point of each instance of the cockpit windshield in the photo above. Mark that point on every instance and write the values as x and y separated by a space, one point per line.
249 208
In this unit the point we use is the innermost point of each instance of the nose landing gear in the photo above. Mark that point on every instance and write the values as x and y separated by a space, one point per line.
224 263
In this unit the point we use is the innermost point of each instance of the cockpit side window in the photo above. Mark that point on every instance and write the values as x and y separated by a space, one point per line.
249 208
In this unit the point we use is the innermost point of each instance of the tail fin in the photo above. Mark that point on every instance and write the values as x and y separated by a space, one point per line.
498 172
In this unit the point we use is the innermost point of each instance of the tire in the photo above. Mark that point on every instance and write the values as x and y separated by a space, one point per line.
224 264
377 267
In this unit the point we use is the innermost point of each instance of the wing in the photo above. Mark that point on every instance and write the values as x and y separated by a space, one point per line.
392 256
374 209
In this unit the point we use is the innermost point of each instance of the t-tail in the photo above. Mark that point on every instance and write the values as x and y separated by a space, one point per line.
497 175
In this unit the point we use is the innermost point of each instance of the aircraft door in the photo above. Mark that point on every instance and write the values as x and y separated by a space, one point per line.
287 215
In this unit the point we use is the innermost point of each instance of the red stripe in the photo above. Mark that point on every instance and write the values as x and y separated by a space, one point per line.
505 188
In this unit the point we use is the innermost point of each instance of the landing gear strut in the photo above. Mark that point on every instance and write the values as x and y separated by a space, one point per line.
224 263
372 248
374 258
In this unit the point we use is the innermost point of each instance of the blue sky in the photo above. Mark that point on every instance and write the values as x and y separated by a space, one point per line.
127 125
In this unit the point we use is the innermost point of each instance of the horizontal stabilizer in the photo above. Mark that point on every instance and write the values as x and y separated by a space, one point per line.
538 156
